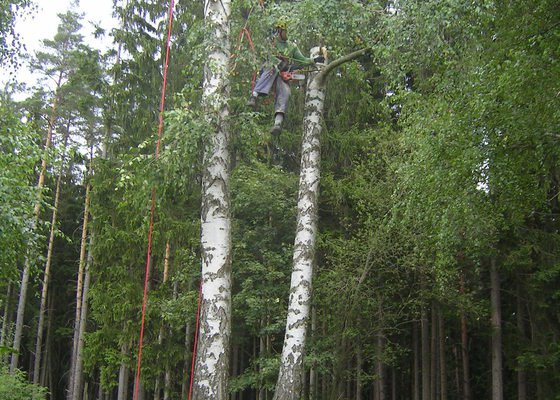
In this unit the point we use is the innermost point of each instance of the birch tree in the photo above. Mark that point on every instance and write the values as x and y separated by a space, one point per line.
212 359
290 377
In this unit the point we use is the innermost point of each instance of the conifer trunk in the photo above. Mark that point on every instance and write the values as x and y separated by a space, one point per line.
124 374
36 212
79 292
415 363
496 310
465 348
442 361
48 263
78 367
212 358
425 353
521 373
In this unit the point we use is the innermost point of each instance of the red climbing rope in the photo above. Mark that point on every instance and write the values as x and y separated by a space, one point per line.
153 205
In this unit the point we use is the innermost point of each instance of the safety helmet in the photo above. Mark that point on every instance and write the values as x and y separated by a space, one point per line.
281 23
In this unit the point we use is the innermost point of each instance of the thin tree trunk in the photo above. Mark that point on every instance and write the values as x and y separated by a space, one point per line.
442 362
5 322
161 334
46 369
212 358
359 367
79 292
415 363
27 263
497 376
78 368
380 368
48 263
425 350
521 373
465 348
433 352
124 373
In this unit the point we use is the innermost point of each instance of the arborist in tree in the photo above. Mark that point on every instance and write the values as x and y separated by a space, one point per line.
277 71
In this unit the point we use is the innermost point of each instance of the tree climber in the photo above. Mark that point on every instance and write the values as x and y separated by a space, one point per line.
291 59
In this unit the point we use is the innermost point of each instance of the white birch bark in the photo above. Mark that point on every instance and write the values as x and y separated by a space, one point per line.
290 382
290 385
212 359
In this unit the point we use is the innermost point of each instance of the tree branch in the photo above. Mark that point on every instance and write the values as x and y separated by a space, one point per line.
322 76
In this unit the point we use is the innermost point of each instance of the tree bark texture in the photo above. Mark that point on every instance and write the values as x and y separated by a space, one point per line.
212 358
48 263
27 263
425 351
78 367
289 385
496 310
465 348
79 294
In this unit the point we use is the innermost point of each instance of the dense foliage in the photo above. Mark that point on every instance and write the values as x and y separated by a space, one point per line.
439 160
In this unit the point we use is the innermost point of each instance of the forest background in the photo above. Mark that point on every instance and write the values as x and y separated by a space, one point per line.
437 265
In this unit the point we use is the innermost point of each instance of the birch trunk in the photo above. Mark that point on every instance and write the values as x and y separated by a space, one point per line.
497 377
48 263
290 383
212 358
27 263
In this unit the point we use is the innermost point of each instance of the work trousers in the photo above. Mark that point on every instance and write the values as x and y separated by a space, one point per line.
263 86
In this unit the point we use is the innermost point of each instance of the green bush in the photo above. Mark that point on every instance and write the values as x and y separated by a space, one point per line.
16 387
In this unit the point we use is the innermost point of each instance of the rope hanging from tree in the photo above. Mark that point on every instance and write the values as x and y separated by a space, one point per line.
153 205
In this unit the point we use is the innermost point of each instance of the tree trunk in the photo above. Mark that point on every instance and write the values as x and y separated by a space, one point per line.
433 352
415 363
124 372
442 362
359 367
48 263
5 322
78 367
161 335
27 263
497 377
79 293
212 358
425 350
522 331
380 368
290 385
465 348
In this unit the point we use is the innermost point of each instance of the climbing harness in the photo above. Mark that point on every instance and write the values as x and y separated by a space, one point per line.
153 206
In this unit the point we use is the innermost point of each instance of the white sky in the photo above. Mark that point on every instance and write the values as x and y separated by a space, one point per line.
44 23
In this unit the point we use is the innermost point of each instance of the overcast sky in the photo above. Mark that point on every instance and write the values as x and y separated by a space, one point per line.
43 25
